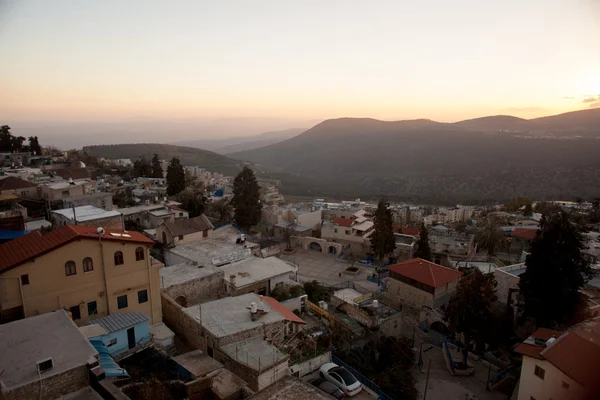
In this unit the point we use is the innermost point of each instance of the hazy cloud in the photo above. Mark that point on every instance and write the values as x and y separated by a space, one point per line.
569 97
526 109
593 101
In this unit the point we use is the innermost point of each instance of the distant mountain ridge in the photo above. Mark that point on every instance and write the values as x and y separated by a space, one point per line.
242 143
484 159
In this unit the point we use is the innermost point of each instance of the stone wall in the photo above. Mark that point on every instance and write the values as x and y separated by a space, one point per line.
200 290
253 288
391 326
53 386
179 322
275 331
505 281
406 294
358 314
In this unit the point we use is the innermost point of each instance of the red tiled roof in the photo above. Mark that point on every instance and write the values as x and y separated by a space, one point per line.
281 309
426 272
35 244
533 350
12 183
524 233
347 222
407 230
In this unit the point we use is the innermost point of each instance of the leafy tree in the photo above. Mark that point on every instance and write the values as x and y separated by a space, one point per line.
193 201
382 239
490 236
288 232
175 177
285 292
399 230
422 249
594 214
5 139
157 171
470 309
528 212
34 145
220 209
246 199
556 271
142 168
316 292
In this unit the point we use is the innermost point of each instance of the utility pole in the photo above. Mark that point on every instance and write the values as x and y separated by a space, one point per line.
427 380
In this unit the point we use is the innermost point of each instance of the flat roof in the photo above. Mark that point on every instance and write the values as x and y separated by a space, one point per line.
291 388
93 330
231 315
65 184
347 294
255 269
197 363
139 209
161 213
205 250
35 225
180 273
255 353
86 213
29 340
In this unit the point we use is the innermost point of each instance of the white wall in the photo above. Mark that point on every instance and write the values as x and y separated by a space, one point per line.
284 278
309 366
310 219
551 387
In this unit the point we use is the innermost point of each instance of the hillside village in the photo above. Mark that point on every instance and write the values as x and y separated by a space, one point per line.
137 279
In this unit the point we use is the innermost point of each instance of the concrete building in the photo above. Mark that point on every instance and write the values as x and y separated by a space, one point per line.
419 283
521 239
561 366
100 200
189 283
77 269
57 190
120 333
257 275
445 243
291 388
351 233
88 216
46 357
184 230
151 216
22 188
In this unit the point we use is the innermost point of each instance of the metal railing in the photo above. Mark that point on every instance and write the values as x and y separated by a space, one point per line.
363 379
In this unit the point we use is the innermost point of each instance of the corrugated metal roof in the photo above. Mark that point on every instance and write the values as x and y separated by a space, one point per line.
117 322
107 363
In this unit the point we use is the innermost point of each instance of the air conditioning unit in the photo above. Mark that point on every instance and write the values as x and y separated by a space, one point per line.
45 364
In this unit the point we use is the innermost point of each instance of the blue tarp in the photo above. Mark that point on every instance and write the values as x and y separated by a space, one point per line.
107 363
9 235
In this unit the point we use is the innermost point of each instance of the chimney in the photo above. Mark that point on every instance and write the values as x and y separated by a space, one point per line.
232 279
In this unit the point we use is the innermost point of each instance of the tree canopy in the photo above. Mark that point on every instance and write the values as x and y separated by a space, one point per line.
556 271
490 237
422 249
142 168
382 239
175 177
14 144
246 199
469 311
157 171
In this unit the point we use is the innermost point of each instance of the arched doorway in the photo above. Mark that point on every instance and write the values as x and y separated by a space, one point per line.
331 250
314 246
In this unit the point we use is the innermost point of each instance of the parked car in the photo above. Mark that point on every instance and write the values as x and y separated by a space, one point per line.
341 378
328 388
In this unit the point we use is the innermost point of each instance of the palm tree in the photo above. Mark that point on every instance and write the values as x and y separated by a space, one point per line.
490 236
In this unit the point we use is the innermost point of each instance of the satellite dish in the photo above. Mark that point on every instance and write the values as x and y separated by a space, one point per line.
100 230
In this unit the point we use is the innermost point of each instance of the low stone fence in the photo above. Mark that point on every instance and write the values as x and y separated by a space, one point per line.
306 367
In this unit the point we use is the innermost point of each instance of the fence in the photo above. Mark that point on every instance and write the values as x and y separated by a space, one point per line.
364 380
334 321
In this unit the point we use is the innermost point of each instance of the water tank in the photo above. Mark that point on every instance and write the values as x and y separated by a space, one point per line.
550 342
375 303
253 307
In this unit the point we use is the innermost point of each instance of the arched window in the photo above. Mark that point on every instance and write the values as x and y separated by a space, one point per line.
88 264
139 254
70 268
119 258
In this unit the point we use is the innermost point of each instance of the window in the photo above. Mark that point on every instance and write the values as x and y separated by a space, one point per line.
119 258
70 268
122 301
565 385
111 342
142 296
88 264
23 194
539 372
139 254
180 237
205 233
348 232
65 193
92 308
75 313
335 230
181 214
24 280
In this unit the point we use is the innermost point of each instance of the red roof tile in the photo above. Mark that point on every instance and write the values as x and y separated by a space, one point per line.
407 230
524 233
534 351
281 309
35 244
426 272
347 222
12 183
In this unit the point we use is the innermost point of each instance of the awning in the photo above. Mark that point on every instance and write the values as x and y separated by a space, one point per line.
107 363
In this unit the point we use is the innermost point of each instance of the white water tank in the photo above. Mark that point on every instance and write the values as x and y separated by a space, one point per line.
375 303
550 342
253 307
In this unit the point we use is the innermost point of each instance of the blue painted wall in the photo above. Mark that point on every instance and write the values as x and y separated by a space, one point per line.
142 335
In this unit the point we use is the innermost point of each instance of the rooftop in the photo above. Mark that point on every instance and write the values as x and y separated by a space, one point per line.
426 272
363 226
187 226
197 363
256 353
36 244
255 269
93 330
64 184
29 340
231 315
343 222
139 209
290 388
12 183
117 322
536 342
281 309
86 213
524 233
180 273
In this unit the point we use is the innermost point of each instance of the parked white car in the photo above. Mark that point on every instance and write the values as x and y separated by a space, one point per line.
341 378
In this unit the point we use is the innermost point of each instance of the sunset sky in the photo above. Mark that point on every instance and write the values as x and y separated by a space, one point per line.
282 64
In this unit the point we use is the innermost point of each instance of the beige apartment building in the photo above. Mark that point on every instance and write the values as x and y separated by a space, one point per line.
81 271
